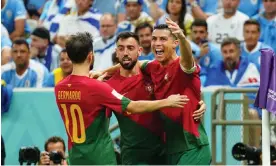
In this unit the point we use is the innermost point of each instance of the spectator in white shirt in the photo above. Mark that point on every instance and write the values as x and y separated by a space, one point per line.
104 46
84 19
228 23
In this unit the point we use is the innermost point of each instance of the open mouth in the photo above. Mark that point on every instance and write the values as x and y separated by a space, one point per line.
159 52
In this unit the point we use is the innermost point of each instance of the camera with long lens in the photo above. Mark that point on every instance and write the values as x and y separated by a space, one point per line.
29 155
56 157
252 155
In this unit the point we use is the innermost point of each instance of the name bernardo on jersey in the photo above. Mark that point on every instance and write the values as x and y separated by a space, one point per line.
69 95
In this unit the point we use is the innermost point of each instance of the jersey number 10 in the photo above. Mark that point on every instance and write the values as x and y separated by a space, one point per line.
74 109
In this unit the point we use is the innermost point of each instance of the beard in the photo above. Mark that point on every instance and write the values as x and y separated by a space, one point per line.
230 11
230 64
128 66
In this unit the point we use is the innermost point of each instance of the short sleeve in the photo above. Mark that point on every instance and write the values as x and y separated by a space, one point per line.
110 98
20 12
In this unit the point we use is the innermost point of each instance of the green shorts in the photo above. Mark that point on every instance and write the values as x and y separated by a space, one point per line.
197 156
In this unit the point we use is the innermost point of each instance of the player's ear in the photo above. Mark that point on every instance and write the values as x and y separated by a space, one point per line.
140 50
175 43
90 57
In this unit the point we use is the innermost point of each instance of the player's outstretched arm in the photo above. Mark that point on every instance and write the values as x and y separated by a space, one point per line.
176 101
186 57
109 71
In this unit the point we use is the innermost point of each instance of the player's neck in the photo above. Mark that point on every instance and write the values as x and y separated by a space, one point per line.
130 73
80 70
169 61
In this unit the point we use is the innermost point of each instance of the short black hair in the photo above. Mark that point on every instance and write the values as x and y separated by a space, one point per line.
142 26
78 46
200 22
126 35
21 41
252 22
231 40
164 27
54 139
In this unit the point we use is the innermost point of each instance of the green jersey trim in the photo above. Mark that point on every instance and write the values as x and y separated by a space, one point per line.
125 103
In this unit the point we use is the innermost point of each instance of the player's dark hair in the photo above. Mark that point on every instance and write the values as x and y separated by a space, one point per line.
126 35
21 41
54 139
142 26
200 23
78 46
252 22
230 40
164 27
181 18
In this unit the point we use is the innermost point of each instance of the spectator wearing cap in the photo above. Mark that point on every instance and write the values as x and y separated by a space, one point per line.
42 50
85 19
13 17
134 16
23 71
60 73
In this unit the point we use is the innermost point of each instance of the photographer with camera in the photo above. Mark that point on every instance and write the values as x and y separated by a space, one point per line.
54 153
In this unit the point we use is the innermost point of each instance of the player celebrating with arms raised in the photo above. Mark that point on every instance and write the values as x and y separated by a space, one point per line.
81 103
187 142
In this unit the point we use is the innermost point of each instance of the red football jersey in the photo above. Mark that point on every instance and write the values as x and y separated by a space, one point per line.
138 131
170 80
81 102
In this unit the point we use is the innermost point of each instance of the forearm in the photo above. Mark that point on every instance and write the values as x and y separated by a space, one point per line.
198 13
155 11
186 58
111 70
146 106
16 33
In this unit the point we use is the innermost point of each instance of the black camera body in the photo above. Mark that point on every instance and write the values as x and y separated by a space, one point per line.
56 157
241 151
29 155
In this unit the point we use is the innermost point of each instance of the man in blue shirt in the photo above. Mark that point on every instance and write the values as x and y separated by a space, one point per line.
13 17
251 46
208 54
23 72
267 20
236 71
144 32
